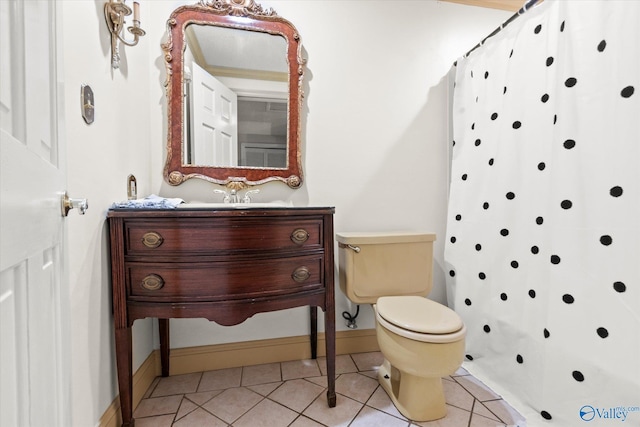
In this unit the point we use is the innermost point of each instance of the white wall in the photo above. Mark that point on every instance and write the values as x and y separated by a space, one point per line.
375 147
100 157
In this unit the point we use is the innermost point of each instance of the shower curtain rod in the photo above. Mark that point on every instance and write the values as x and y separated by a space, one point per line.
528 5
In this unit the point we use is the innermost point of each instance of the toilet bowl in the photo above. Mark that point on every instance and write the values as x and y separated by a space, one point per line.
416 361
420 339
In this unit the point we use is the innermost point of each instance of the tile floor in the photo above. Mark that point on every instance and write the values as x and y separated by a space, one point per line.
294 394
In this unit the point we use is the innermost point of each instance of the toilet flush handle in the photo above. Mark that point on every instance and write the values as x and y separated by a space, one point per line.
356 249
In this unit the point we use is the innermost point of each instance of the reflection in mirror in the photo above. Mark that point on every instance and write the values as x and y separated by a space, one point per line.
234 75
235 98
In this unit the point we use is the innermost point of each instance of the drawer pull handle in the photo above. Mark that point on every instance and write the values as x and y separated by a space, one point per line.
152 282
299 236
152 239
300 274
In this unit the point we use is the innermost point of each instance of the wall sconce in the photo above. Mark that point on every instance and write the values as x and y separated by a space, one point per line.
114 13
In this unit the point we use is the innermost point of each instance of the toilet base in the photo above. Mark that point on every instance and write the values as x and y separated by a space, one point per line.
417 398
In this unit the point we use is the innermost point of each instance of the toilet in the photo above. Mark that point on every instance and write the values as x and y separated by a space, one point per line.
420 339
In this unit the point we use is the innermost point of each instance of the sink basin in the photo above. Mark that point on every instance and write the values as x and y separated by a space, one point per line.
211 205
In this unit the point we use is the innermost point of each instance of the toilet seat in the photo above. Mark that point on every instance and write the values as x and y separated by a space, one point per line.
419 319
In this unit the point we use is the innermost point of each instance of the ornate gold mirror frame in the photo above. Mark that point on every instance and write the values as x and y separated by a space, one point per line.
240 15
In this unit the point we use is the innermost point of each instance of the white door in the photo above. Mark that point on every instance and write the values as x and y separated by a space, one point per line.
34 371
215 124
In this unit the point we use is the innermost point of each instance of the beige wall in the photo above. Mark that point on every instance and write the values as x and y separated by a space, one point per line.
375 147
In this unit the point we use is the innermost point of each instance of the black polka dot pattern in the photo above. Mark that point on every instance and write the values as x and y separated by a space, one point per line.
544 204
627 92
566 204
619 287
577 375
616 191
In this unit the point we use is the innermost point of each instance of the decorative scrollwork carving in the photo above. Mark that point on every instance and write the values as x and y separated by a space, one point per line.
175 178
294 181
167 46
239 7
236 185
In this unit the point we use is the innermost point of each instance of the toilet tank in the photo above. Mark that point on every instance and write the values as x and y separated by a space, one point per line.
379 264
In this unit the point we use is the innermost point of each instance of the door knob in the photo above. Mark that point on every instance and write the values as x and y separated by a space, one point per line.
68 203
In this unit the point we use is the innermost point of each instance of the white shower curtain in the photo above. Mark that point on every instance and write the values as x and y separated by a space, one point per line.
543 233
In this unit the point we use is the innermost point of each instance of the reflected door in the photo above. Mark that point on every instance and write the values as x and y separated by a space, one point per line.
215 124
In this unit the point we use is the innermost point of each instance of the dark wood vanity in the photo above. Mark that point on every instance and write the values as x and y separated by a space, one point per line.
224 265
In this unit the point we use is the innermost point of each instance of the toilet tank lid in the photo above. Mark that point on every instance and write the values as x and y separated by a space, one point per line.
377 237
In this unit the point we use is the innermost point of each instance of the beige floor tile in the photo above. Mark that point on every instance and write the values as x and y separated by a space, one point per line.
161 421
458 396
370 417
371 374
296 394
305 422
267 414
221 379
157 406
202 397
480 409
455 417
231 404
477 388
254 396
368 361
480 421
261 374
356 386
186 407
299 369
341 415
321 381
198 418
505 412
380 400
344 364
177 384
265 389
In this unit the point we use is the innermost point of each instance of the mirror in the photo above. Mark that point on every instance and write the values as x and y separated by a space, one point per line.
234 99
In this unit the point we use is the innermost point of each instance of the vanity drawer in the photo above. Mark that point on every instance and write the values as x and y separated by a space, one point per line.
224 280
201 236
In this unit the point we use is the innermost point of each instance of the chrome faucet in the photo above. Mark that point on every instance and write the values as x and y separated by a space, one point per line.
226 198
233 196
246 198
